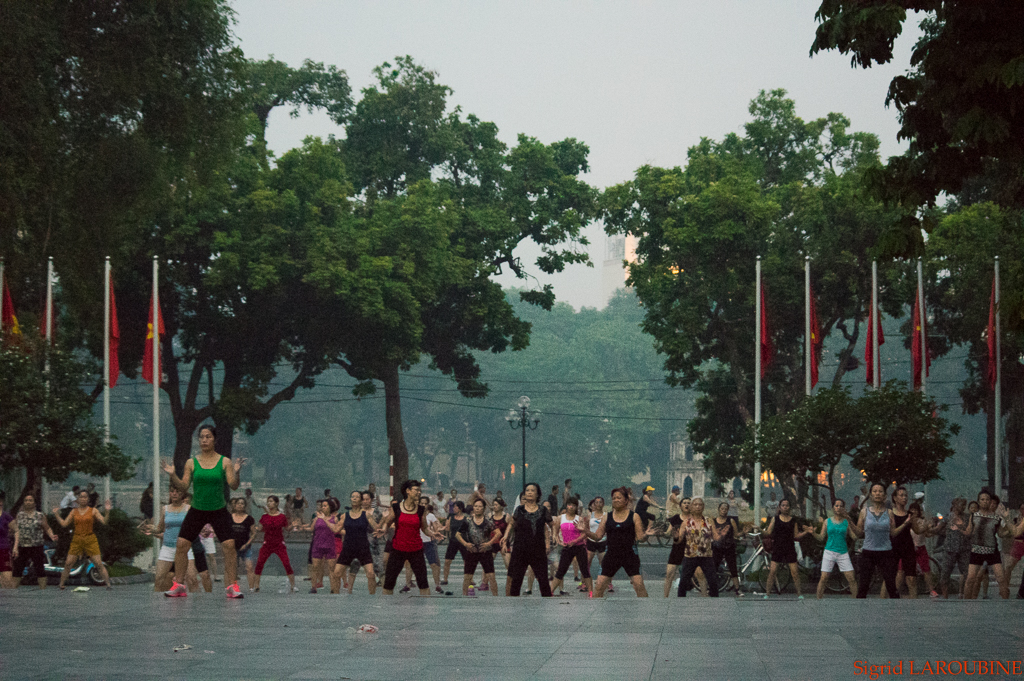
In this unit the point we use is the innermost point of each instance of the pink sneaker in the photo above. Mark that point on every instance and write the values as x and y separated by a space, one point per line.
177 591
233 592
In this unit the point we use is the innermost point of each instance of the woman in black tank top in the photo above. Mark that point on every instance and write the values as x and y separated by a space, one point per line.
623 529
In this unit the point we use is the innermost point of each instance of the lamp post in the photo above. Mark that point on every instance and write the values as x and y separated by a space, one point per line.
525 420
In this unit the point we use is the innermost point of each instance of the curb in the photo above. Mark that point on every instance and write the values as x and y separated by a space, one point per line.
144 578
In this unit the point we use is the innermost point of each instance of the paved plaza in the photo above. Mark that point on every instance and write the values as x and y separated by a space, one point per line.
131 633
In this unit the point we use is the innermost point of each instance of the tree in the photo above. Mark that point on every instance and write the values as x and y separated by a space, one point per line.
960 250
46 425
269 84
903 439
444 204
109 107
786 190
890 435
958 103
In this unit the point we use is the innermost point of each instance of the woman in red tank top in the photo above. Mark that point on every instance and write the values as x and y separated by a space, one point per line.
409 518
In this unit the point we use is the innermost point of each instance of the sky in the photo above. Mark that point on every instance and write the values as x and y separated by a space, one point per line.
639 82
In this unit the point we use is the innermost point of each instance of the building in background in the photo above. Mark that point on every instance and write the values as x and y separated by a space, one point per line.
618 250
686 469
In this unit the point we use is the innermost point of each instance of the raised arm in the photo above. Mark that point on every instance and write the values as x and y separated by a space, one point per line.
107 505
231 472
599 535
860 520
823 533
771 526
185 480
63 522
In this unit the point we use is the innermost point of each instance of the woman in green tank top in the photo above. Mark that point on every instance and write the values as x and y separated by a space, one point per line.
207 474
834 532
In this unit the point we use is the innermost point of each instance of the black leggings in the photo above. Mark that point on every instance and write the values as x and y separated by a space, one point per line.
538 560
729 554
579 552
396 561
885 561
707 566
36 555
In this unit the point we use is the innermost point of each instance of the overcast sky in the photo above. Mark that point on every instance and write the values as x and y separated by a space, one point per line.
639 82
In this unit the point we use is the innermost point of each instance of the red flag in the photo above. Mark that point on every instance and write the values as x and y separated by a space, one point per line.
767 347
147 353
869 349
10 320
991 338
816 341
115 340
920 327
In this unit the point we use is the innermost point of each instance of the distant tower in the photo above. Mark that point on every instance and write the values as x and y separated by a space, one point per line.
686 469
618 248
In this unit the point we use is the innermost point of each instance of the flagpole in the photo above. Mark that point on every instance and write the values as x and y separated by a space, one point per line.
757 390
876 375
808 358
106 366
2 283
155 320
808 343
999 398
43 492
921 317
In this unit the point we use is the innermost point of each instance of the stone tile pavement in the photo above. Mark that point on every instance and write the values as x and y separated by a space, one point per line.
131 633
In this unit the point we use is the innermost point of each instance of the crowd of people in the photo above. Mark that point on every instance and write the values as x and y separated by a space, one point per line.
387 542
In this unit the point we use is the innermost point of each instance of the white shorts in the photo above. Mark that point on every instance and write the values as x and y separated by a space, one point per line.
829 560
208 545
167 554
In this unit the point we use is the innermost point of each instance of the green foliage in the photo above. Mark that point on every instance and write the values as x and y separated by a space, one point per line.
890 434
786 190
109 108
46 423
270 83
120 539
958 103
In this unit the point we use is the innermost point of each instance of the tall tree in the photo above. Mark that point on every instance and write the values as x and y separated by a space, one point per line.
958 103
785 190
444 205
109 107
960 256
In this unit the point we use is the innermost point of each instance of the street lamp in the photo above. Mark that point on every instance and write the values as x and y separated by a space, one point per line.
525 420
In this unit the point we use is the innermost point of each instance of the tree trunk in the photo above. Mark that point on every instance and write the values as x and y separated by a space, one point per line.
33 478
397 449
183 433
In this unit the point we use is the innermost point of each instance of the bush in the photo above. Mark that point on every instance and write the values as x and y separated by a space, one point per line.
120 539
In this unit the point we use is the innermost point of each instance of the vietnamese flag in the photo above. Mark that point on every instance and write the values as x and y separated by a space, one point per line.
9 319
990 338
147 352
767 347
920 327
115 341
869 349
816 341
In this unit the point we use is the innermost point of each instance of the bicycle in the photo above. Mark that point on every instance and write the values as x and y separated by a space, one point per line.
757 566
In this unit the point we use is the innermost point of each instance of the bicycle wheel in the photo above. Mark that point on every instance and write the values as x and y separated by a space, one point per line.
837 583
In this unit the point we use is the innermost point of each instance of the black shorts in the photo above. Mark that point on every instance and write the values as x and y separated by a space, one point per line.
597 546
985 558
351 553
675 557
906 559
630 562
454 547
484 559
784 554
195 520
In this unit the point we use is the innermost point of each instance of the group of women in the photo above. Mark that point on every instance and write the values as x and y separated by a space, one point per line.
893 539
